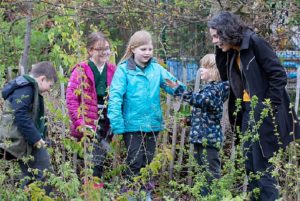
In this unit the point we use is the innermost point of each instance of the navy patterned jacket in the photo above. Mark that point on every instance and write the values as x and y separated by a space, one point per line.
207 113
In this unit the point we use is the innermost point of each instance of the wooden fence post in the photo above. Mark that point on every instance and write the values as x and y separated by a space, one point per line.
165 135
63 98
116 153
296 108
191 150
183 131
174 136
174 141
9 73
297 91
21 70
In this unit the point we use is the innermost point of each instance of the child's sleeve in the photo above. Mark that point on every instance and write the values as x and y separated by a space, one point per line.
116 93
73 97
202 99
178 87
224 90
21 102
211 95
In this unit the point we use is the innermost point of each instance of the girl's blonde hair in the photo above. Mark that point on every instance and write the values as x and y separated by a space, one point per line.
209 62
139 38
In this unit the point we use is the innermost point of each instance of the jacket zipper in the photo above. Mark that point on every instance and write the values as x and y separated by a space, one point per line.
247 68
250 62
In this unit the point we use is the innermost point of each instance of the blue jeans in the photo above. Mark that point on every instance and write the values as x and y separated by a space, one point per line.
41 162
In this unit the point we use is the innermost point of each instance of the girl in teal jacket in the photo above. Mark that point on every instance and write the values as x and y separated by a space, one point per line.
134 100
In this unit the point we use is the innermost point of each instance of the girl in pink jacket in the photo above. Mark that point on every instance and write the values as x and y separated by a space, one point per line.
86 95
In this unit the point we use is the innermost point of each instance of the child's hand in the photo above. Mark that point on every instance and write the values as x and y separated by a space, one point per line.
186 121
171 83
187 96
39 144
87 130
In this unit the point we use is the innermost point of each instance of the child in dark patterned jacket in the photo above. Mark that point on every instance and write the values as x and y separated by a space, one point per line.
206 131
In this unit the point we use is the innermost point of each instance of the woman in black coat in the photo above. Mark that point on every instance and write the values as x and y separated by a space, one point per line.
253 69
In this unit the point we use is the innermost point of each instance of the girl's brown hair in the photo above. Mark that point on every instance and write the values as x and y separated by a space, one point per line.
139 38
93 38
209 62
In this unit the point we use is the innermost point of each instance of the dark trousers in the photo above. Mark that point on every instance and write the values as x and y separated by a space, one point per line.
208 158
140 151
101 147
41 162
97 160
256 163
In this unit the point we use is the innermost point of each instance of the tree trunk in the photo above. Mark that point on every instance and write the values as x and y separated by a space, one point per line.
25 55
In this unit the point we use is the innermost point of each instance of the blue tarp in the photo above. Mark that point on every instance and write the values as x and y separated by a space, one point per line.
176 66
288 54
290 60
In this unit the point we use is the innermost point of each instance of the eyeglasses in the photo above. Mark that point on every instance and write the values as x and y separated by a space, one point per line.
101 49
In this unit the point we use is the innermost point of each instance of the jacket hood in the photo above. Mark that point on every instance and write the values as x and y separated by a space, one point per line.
246 39
132 65
14 84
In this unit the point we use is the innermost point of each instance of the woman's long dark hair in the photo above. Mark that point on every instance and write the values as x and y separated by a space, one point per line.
229 27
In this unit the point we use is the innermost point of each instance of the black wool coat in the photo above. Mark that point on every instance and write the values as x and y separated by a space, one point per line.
263 76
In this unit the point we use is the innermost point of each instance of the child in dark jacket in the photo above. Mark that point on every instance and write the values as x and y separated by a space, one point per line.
24 95
206 131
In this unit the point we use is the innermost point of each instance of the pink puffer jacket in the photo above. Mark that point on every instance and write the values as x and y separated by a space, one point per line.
82 77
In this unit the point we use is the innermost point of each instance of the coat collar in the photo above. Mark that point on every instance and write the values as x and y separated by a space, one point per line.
246 38
131 65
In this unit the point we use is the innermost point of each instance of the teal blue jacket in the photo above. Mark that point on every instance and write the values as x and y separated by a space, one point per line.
134 97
